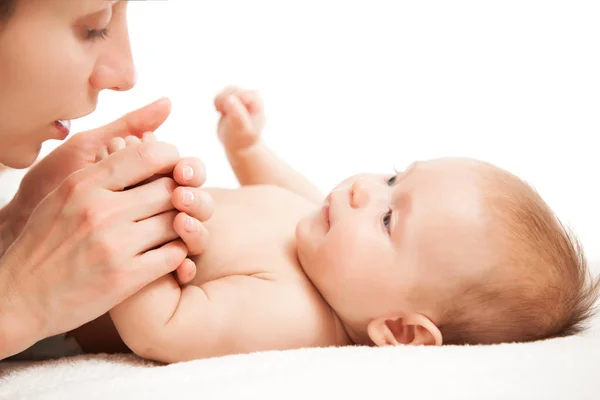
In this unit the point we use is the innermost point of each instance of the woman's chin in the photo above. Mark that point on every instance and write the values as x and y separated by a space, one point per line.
20 157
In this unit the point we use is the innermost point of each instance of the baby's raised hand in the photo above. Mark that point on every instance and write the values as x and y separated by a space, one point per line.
242 118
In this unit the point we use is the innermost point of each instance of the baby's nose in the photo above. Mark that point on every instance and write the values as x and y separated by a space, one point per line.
365 192
358 195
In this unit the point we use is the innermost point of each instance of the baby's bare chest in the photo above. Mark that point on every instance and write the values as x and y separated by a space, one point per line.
251 232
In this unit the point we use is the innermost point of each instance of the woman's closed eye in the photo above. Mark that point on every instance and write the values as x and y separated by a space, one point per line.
93 34
391 181
96 24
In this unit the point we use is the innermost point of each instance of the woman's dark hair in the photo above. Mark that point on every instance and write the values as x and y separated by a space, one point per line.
6 9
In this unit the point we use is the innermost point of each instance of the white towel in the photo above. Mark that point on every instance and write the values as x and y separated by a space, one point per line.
566 368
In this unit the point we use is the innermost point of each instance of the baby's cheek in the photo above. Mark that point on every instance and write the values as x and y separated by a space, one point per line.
341 251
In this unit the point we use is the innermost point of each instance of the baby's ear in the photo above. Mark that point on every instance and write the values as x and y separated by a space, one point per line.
404 329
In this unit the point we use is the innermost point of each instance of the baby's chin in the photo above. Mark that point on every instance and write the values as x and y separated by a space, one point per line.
310 231
312 227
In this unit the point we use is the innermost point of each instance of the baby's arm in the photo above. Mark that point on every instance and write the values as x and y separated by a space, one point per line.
230 315
242 121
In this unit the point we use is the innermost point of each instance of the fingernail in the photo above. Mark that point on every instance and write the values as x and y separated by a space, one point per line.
188 173
190 224
188 198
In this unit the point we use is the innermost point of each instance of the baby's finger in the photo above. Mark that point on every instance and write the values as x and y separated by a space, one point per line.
148 137
102 154
116 144
193 233
252 100
222 96
131 140
186 272
193 201
239 118
189 171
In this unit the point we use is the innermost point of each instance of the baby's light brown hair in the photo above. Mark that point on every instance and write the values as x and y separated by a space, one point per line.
538 285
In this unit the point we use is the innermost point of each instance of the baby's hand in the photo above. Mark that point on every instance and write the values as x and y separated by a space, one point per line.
242 118
119 143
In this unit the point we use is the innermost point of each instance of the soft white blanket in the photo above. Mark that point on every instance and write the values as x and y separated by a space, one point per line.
565 368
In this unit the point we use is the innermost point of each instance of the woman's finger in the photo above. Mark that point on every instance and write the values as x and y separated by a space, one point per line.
144 119
153 264
132 165
153 232
148 199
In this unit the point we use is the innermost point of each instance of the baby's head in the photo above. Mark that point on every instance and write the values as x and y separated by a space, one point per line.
450 251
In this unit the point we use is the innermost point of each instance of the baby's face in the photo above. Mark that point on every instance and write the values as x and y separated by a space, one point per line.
380 242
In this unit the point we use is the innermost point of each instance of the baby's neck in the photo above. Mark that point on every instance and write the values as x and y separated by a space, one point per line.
343 333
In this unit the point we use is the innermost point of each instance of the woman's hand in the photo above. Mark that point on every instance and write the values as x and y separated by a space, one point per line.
89 245
193 204
79 152
80 244
76 153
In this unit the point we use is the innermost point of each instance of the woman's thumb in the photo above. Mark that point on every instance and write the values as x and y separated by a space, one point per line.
146 119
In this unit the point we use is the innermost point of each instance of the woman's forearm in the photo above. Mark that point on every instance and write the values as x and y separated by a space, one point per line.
6 230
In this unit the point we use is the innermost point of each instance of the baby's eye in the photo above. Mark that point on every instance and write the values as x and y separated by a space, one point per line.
391 181
387 219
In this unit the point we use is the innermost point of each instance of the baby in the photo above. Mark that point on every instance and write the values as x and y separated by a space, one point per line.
449 251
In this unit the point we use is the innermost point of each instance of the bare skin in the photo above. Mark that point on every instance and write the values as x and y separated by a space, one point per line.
262 274
287 267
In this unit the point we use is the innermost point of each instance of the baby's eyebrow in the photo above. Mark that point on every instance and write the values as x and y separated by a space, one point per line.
406 172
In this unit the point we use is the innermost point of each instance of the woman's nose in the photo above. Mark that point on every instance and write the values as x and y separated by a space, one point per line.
114 69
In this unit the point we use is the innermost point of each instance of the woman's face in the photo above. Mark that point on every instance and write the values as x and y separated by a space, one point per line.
56 56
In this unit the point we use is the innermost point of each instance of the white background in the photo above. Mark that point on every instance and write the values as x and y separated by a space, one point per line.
358 86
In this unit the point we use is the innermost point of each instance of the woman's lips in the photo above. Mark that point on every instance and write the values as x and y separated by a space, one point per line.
64 127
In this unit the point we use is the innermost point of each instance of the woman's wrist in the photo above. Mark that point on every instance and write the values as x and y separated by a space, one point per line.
18 329
12 338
